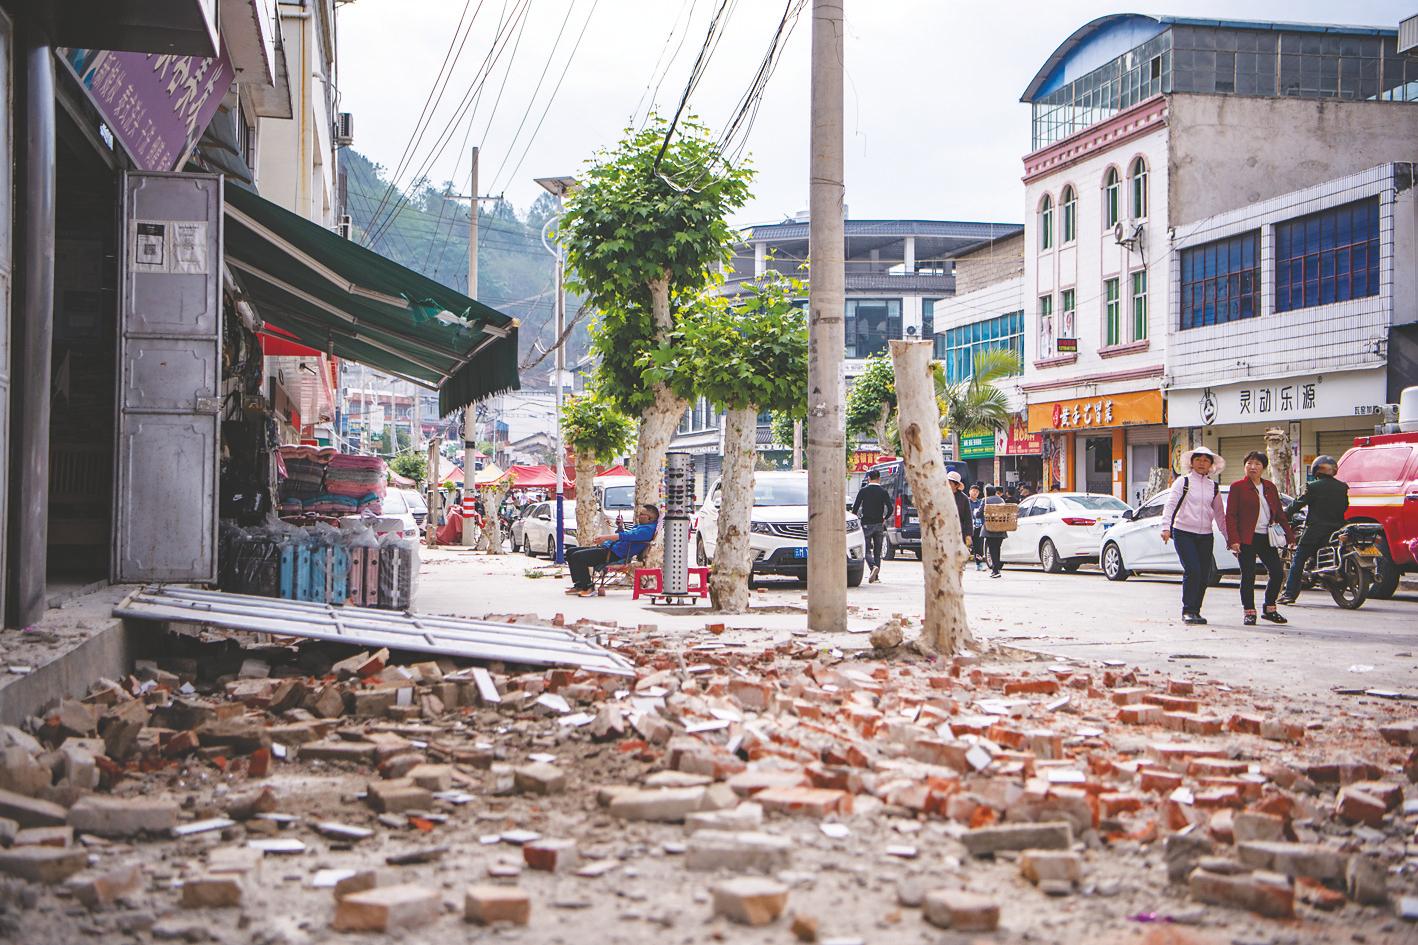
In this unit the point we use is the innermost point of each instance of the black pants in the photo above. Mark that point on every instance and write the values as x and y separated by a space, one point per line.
1195 552
1302 557
583 561
1274 572
977 546
992 553
874 534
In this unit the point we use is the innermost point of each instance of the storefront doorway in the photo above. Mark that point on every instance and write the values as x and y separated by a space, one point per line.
1098 464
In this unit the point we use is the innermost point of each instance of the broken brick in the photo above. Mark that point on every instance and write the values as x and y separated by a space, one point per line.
387 909
490 904
750 900
961 911
1266 894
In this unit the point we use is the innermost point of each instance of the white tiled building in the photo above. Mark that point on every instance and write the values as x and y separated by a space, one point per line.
1283 311
1142 126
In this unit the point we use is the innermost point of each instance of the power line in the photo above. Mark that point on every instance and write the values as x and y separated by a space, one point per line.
701 64
689 5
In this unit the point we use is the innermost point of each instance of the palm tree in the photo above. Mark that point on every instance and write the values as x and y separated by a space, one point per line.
976 403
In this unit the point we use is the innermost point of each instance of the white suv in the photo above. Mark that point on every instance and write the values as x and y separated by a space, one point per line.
778 527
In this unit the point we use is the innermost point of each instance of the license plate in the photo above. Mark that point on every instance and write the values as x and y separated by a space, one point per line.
1107 525
799 552
1369 552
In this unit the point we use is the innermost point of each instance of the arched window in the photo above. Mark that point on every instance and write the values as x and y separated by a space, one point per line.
1046 223
1112 199
1139 189
1069 201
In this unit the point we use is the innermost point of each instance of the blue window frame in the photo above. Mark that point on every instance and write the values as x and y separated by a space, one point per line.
958 346
1326 257
1221 281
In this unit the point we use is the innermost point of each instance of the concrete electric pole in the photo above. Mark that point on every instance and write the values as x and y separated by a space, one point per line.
470 529
826 439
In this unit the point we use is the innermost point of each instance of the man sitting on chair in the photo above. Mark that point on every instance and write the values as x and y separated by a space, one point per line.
604 549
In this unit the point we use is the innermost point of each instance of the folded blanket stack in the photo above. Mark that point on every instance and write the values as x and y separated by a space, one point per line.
327 482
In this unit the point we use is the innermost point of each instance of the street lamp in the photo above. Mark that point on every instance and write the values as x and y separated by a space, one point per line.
559 187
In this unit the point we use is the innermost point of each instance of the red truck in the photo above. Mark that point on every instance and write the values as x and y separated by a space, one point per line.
1382 474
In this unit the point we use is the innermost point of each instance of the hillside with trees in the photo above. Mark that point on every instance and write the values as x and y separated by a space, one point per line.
427 230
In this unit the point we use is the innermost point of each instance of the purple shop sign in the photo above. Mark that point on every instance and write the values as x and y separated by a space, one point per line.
157 106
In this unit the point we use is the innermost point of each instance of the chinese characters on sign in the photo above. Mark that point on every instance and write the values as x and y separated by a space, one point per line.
1098 411
1271 399
1089 414
1018 441
156 105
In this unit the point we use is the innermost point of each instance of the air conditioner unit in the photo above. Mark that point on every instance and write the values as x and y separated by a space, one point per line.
1128 236
346 227
344 129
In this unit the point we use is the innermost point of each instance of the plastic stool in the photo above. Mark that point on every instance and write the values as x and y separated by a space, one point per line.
659 587
702 588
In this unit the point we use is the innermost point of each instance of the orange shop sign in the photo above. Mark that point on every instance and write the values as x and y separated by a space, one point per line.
1109 410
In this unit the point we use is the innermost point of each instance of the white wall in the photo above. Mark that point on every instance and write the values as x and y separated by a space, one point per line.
1092 257
1336 337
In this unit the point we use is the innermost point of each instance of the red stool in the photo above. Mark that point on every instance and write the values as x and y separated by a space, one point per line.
659 587
702 588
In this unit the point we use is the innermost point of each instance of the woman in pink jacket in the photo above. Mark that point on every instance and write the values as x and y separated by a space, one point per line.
1192 511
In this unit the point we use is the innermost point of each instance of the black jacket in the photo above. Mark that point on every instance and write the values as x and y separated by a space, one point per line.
962 507
872 505
1328 500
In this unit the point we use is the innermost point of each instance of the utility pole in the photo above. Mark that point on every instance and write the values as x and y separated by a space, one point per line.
470 531
797 445
826 439
559 187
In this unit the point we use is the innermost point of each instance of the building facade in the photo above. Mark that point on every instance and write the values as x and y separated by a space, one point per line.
1284 312
1142 125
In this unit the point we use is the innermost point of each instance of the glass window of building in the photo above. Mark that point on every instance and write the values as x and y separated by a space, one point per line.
1112 313
1112 199
1139 305
1068 311
1069 202
1221 281
928 318
870 324
1327 257
958 346
1139 189
1046 223
1136 75
1046 326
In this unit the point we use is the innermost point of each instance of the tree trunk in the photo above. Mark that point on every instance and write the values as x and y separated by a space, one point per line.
657 426
588 510
1277 449
728 584
493 494
945 627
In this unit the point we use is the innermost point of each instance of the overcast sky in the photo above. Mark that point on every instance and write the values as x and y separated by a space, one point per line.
934 126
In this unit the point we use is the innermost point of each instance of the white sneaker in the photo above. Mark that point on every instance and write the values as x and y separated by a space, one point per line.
875 575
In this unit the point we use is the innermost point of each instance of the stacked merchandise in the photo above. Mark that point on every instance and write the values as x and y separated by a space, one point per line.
322 564
324 482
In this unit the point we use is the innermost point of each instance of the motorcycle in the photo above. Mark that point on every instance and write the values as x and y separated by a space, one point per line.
1346 565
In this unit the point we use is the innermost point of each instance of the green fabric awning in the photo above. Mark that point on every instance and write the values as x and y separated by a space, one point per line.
353 303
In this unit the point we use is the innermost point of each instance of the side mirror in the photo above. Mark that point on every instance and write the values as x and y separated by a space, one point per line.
1129 515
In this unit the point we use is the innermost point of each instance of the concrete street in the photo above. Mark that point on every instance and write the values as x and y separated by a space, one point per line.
1080 616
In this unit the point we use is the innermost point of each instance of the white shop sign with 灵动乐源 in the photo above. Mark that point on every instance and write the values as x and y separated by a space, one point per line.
1311 397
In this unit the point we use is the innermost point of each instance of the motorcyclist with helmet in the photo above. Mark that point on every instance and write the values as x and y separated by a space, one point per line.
1328 500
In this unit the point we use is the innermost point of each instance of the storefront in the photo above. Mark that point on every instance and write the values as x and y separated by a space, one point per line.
977 452
1019 457
1105 443
1309 415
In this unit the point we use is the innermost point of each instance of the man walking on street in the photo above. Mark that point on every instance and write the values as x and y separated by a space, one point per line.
872 505
962 509
604 549
993 540
1328 499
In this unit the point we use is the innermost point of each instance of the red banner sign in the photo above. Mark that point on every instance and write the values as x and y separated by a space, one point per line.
1018 441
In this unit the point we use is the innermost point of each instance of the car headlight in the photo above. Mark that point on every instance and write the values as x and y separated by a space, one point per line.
760 528
854 524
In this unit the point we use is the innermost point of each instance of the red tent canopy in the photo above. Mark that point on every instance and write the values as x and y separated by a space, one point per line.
538 477
616 470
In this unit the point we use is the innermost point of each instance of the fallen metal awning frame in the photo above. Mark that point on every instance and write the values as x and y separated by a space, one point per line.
458 637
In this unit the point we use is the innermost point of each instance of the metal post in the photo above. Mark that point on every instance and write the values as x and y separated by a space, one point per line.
470 531
560 369
434 499
33 333
826 439
797 445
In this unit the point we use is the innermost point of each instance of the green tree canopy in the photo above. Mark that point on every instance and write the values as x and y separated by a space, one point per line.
411 466
871 401
596 427
976 404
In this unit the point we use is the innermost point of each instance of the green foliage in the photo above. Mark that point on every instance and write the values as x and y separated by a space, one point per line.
976 403
411 466
594 426
748 351
628 225
780 427
871 401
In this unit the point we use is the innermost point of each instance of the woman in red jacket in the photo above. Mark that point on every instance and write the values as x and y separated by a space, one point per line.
1257 527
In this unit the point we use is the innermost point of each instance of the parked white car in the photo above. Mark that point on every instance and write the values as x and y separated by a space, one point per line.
1135 546
535 531
1062 530
418 508
396 516
778 528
